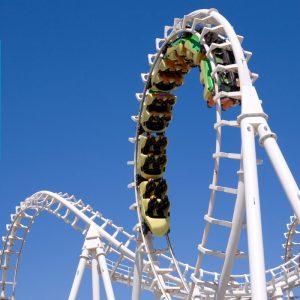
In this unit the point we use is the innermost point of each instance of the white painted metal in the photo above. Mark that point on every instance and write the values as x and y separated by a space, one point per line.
79 273
100 254
237 224
138 268
268 141
254 230
95 279
283 276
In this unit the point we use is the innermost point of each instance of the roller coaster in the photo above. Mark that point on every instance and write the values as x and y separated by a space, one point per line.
202 40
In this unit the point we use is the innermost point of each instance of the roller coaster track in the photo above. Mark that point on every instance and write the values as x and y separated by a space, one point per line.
118 245
117 242
211 22
291 243
133 259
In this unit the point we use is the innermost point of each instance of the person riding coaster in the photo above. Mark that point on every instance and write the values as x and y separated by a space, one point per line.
159 102
187 48
174 66
154 164
223 57
167 81
156 187
155 212
153 144
212 37
157 208
155 122
228 81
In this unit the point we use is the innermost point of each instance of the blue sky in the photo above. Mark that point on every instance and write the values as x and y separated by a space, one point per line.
70 70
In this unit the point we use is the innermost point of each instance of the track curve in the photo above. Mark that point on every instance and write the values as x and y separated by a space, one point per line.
189 25
119 244
211 23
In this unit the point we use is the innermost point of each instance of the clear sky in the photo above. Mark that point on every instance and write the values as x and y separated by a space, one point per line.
70 70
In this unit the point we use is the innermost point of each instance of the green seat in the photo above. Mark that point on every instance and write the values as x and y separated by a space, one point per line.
193 44
206 78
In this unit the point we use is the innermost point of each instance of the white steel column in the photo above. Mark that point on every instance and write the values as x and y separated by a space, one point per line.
237 223
138 268
268 141
94 244
95 279
254 229
104 272
79 273
251 107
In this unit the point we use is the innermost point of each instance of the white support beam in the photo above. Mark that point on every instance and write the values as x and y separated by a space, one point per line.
95 279
268 141
138 268
100 253
79 273
254 228
94 244
237 224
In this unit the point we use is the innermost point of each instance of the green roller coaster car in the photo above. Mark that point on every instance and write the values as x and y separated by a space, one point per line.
157 224
188 46
206 78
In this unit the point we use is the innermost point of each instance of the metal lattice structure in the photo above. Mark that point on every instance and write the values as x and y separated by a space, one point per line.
131 258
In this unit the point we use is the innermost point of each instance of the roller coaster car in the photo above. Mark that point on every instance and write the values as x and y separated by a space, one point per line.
187 48
155 212
206 79
227 102
167 81
210 102
152 166
159 102
176 49
223 57
156 187
193 45
152 144
155 122
228 81
212 37
178 65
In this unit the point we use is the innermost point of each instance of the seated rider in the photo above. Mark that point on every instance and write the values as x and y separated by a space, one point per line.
161 188
162 206
152 204
150 188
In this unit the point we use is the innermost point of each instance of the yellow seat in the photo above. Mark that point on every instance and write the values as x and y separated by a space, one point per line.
142 142
140 163
147 115
158 226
